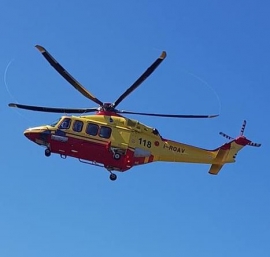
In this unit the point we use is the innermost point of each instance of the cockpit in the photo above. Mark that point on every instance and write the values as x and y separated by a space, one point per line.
65 123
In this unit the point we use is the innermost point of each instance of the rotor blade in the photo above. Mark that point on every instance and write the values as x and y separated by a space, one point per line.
52 109
243 128
254 144
144 76
226 136
167 115
57 66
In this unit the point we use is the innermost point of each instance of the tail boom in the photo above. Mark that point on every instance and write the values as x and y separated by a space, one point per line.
171 151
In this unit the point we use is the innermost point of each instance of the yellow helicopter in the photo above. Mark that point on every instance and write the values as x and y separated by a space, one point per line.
110 140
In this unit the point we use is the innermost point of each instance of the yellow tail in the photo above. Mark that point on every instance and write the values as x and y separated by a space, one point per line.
227 153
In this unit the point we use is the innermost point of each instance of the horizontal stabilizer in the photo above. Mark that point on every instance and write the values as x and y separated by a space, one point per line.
219 160
215 168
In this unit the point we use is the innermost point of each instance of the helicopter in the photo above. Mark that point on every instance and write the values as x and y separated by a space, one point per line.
110 140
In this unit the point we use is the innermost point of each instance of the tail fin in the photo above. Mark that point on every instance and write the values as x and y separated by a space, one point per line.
227 152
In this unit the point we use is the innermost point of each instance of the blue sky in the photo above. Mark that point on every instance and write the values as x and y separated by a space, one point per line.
217 62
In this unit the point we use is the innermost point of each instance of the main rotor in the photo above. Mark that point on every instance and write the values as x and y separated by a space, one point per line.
102 106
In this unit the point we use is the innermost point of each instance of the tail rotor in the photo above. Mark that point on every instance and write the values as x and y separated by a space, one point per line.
241 136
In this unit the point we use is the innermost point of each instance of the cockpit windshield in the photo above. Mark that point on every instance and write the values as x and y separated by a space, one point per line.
65 123
55 123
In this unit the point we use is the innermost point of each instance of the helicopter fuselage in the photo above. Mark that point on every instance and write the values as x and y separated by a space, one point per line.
113 141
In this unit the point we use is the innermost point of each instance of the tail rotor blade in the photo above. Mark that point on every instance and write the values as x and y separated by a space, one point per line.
243 128
254 144
226 136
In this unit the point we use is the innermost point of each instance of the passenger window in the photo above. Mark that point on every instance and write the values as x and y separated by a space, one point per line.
65 124
105 132
77 126
92 129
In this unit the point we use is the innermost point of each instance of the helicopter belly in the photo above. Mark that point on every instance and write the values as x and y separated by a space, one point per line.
96 151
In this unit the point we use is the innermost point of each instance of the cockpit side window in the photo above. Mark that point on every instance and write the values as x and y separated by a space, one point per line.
65 124
105 132
77 126
92 129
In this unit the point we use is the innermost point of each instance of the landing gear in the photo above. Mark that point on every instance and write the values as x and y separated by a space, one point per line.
113 177
117 156
48 152
117 153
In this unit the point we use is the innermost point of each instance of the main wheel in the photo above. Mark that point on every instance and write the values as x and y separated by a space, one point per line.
113 177
47 152
117 156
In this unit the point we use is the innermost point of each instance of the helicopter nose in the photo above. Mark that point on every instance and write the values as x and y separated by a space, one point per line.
39 135
29 134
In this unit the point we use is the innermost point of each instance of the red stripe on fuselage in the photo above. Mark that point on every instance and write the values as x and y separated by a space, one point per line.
93 150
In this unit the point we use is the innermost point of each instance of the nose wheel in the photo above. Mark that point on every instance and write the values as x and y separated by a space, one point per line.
48 152
113 177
